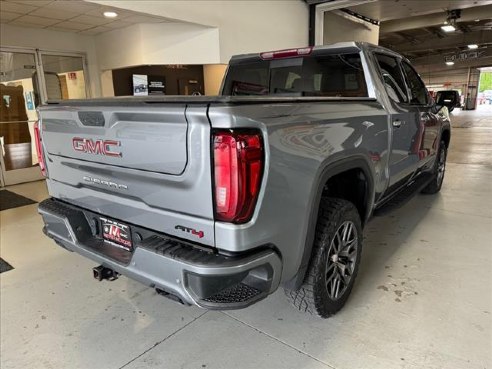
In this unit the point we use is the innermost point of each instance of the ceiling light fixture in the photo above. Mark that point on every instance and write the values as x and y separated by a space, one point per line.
448 28
110 14
473 46
450 22
449 63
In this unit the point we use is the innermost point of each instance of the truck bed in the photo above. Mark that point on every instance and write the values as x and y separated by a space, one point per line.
199 100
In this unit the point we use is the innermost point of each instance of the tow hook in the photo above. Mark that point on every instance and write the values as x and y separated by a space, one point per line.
101 272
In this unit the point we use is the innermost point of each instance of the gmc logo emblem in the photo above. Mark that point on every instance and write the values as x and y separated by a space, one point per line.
97 147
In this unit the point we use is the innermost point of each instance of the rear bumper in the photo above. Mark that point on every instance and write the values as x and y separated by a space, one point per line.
195 275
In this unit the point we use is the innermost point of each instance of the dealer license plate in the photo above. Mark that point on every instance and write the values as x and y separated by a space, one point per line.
117 233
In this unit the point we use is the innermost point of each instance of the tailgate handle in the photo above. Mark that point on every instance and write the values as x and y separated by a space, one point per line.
92 118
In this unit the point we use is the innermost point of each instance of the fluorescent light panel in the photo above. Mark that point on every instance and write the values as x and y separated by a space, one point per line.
448 28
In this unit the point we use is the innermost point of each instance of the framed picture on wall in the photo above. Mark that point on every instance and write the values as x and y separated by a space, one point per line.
140 85
157 85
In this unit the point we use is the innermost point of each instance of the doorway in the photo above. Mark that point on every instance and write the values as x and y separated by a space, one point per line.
29 78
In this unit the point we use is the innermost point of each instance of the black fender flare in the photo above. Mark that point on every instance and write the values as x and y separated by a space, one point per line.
325 173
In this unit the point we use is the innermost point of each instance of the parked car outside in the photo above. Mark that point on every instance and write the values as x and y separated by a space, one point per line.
449 98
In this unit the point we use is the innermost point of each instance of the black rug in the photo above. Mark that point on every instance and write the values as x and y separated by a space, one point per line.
4 266
10 200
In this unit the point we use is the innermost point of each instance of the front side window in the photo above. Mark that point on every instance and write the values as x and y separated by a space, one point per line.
335 75
392 78
417 88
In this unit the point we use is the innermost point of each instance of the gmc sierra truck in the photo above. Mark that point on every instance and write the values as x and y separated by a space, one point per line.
218 201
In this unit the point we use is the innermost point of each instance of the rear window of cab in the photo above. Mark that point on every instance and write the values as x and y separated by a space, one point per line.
334 75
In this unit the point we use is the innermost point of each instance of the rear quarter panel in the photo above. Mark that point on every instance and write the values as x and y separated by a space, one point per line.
301 140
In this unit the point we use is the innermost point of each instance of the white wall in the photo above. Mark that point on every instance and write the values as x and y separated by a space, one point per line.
54 41
164 43
244 26
337 28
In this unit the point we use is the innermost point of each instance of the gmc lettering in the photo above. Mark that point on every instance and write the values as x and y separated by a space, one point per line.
96 147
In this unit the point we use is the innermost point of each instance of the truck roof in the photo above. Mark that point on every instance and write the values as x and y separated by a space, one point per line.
345 47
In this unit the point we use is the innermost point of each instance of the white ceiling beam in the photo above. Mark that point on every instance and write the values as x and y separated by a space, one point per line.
330 6
435 19
450 41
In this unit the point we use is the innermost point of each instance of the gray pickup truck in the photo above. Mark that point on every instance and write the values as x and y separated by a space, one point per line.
218 201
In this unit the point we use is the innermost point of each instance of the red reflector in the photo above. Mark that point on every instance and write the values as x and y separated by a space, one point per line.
289 53
39 149
238 166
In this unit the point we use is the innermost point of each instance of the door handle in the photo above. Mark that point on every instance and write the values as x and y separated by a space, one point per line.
398 123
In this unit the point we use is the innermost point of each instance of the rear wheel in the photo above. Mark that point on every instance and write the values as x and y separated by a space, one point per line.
435 185
334 262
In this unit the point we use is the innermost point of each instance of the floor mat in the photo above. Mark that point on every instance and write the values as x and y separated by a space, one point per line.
10 200
4 266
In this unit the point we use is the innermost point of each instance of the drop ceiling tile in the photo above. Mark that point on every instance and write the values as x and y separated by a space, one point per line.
143 19
61 29
54 13
91 20
118 24
38 21
26 25
32 2
7 16
74 26
95 30
16 7
72 6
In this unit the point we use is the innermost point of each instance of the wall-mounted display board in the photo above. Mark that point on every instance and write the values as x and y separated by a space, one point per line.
160 79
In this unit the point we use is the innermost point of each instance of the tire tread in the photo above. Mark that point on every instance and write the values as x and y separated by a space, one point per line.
308 298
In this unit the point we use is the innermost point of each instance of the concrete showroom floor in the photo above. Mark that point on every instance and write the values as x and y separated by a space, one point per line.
423 297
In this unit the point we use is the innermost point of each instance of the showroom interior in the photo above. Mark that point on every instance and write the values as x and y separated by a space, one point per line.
423 293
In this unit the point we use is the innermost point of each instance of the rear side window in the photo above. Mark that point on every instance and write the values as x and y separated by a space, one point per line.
392 77
336 75
417 87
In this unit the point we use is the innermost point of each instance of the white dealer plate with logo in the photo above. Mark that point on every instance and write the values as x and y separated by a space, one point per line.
116 233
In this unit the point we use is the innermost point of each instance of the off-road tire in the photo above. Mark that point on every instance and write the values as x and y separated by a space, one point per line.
313 296
439 170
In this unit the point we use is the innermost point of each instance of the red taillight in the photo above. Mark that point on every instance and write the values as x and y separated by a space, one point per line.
238 165
39 149
286 53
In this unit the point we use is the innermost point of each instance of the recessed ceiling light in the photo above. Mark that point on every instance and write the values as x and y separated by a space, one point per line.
473 46
449 63
448 28
110 14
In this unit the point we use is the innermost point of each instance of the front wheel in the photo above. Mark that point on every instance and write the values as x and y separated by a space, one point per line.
334 262
435 184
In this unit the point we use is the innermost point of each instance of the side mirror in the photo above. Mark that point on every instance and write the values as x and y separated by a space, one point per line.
436 108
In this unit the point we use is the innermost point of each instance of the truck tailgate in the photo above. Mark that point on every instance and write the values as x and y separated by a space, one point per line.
149 166
151 140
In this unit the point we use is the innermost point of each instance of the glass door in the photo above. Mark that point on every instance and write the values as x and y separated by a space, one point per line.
18 91
64 76
29 78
